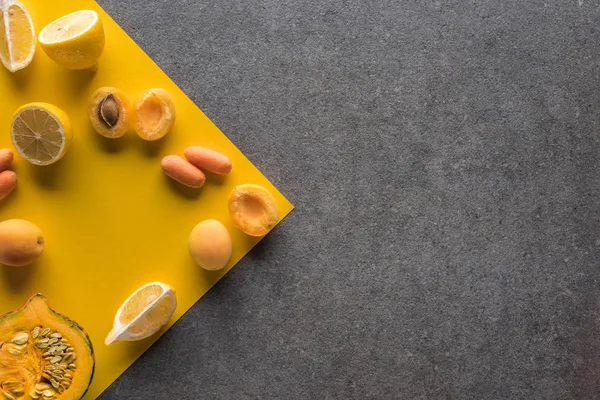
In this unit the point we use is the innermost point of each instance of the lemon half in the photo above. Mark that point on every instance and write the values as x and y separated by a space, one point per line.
74 41
41 133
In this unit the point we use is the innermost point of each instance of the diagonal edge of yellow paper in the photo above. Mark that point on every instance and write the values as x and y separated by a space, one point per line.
108 369
285 207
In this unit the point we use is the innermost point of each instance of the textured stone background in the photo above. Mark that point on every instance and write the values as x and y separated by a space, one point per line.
443 159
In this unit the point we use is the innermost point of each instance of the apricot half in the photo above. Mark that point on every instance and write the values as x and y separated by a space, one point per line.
253 209
154 112
109 112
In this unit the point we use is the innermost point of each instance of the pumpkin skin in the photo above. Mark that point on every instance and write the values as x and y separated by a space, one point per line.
26 368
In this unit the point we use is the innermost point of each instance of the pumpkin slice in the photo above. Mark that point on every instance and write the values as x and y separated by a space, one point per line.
43 354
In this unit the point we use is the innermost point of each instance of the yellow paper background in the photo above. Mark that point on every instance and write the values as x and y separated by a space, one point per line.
111 219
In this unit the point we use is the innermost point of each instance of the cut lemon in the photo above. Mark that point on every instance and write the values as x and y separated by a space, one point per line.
17 35
74 41
41 133
146 311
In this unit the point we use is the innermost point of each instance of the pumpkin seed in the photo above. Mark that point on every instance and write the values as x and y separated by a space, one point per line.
8 396
108 111
72 366
45 331
50 367
52 341
64 340
42 386
35 332
69 358
55 360
54 383
43 340
68 375
56 335
42 345
34 394
7 385
21 338
12 349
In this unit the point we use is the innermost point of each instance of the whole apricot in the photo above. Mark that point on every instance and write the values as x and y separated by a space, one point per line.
210 245
21 242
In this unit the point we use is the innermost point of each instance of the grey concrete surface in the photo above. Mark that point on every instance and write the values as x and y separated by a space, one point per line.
443 159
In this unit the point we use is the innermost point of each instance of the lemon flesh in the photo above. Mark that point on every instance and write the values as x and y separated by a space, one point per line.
17 35
40 132
147 310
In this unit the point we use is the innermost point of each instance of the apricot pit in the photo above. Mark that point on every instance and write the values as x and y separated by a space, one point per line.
109 112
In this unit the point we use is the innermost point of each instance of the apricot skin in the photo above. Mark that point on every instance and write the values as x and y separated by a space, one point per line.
21 242
253 209
210 245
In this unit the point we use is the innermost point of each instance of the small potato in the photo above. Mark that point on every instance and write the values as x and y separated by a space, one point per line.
209 160
182 171
210 245
8 181
6 158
